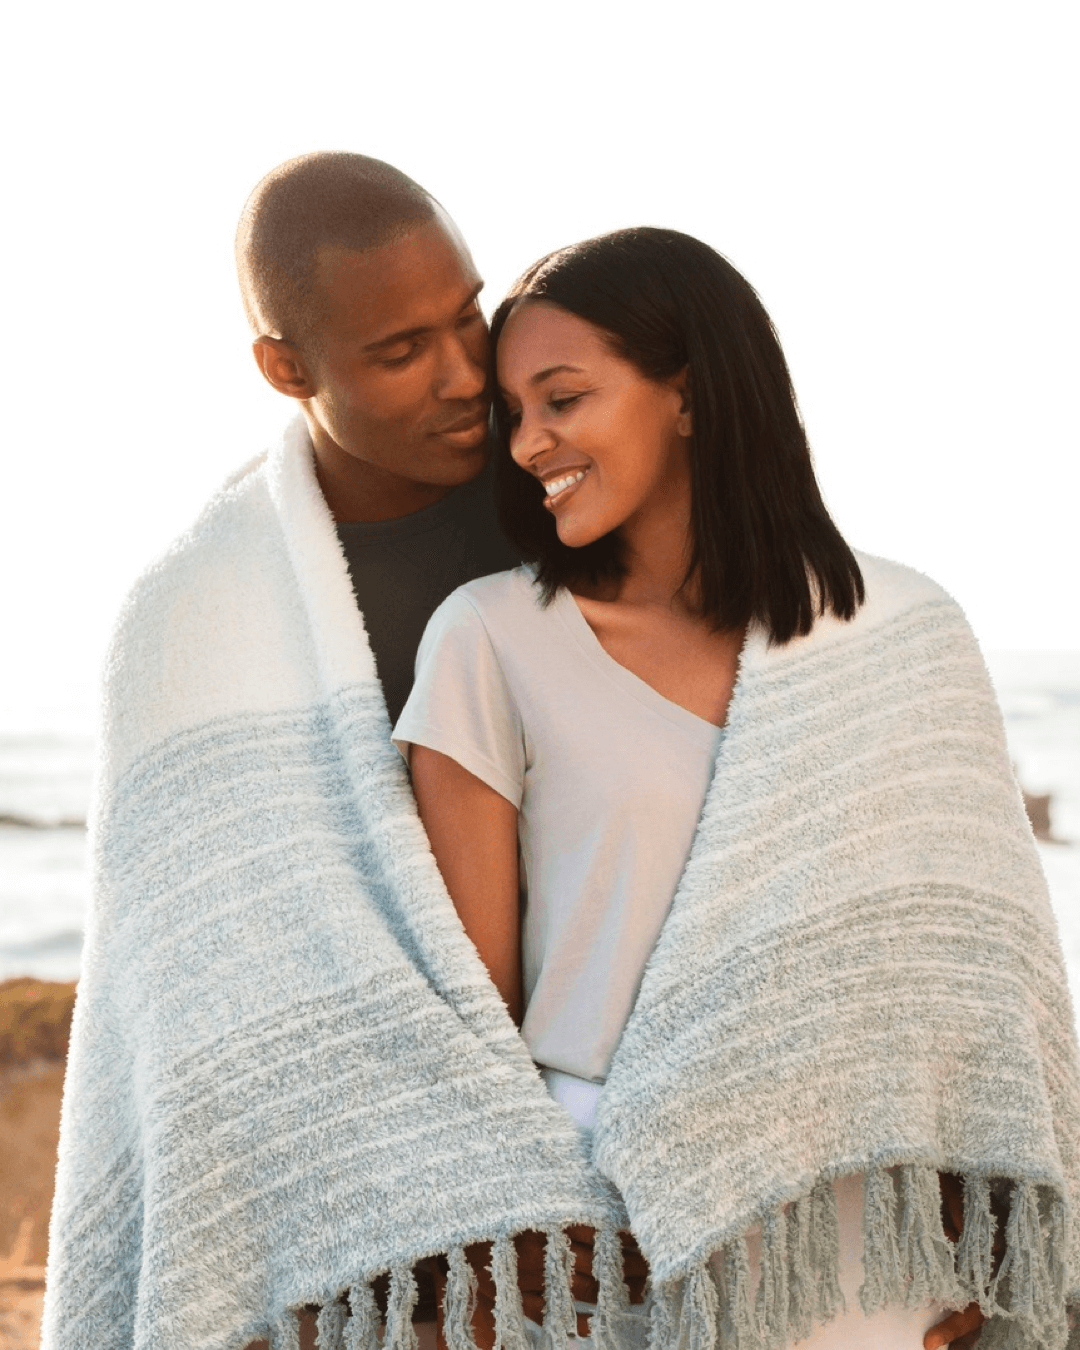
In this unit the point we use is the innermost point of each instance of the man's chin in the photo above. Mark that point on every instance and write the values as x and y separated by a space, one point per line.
458 465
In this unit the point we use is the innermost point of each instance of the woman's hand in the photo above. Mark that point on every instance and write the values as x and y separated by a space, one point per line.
473 834
960 1330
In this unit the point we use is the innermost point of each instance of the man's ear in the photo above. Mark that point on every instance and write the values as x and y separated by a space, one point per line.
283 367
684 422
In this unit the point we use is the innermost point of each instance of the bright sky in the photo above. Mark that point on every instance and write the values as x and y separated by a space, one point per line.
897 181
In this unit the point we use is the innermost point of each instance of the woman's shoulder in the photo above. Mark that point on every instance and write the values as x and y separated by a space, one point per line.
500 602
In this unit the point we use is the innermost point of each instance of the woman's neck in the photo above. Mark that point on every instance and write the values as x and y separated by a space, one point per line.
657 547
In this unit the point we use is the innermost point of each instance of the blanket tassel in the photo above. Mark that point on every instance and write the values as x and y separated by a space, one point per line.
362 1328
926 1255
1056 1266
882 1283
800 1270
825 1252
286 1332
560 1318
772 1294
663 1315
612 1296
400 1333
459 1301
975 1250
701 1314
330 1326
738 1325
1024 1284
510 1332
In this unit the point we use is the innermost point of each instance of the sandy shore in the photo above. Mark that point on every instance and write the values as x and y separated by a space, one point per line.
35 1017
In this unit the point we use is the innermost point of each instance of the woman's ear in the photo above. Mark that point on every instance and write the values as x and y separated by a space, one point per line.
684 422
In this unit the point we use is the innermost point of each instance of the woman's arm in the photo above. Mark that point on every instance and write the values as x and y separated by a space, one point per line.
473 834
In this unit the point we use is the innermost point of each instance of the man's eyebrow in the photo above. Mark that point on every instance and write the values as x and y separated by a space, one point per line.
404 334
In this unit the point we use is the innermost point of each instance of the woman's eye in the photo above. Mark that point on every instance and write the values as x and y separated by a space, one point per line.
563 402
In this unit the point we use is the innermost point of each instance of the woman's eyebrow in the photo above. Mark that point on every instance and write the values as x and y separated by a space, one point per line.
542 375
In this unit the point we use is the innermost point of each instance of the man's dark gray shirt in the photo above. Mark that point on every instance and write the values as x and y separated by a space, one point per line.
402 570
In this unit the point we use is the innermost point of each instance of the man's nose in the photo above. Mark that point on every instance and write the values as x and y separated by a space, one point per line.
463 370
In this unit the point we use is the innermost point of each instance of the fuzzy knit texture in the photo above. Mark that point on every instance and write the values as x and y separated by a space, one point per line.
290 1074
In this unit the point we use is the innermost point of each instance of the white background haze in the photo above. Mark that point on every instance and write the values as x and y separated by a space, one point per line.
898 182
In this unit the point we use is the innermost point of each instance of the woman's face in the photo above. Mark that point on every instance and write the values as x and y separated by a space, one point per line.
611 447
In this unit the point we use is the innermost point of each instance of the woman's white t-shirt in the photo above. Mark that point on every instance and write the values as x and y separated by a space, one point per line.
608 777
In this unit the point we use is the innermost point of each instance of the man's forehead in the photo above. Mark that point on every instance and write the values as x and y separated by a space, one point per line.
419 280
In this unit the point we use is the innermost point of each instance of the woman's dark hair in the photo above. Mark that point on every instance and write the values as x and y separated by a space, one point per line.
764 546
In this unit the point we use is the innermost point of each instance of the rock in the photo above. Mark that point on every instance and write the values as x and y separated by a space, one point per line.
1037 806
35 1020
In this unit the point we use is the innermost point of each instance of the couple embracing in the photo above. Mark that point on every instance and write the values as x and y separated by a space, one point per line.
547 885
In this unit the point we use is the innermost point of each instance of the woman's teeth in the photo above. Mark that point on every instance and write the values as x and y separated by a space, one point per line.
556 485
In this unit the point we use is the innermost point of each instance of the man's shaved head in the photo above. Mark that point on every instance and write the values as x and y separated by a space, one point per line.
307 204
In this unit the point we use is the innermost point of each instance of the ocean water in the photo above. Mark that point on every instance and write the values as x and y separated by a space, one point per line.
45 784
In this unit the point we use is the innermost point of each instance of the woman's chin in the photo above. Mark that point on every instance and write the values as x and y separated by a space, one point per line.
578 526
574 534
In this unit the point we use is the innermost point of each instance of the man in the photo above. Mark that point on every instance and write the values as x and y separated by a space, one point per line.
364 302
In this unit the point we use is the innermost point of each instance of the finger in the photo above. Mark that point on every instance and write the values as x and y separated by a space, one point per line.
478 1256
957 1324
530 1247
308 1320
952 1204
581 1281
585 1289
634 1264
532 1305
636 1286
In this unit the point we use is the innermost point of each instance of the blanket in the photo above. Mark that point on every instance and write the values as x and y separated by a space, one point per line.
291 1078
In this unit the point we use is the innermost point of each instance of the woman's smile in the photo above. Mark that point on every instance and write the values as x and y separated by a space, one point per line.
562 487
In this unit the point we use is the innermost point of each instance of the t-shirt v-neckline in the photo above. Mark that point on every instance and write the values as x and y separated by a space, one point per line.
577 624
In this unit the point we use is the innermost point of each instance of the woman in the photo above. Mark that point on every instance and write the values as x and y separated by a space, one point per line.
573 715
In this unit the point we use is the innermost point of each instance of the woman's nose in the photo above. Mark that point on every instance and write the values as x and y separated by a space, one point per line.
528 440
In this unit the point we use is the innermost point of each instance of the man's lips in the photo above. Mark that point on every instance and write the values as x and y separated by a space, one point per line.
465 430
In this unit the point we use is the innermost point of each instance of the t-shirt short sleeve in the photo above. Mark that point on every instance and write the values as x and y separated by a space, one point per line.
461 704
